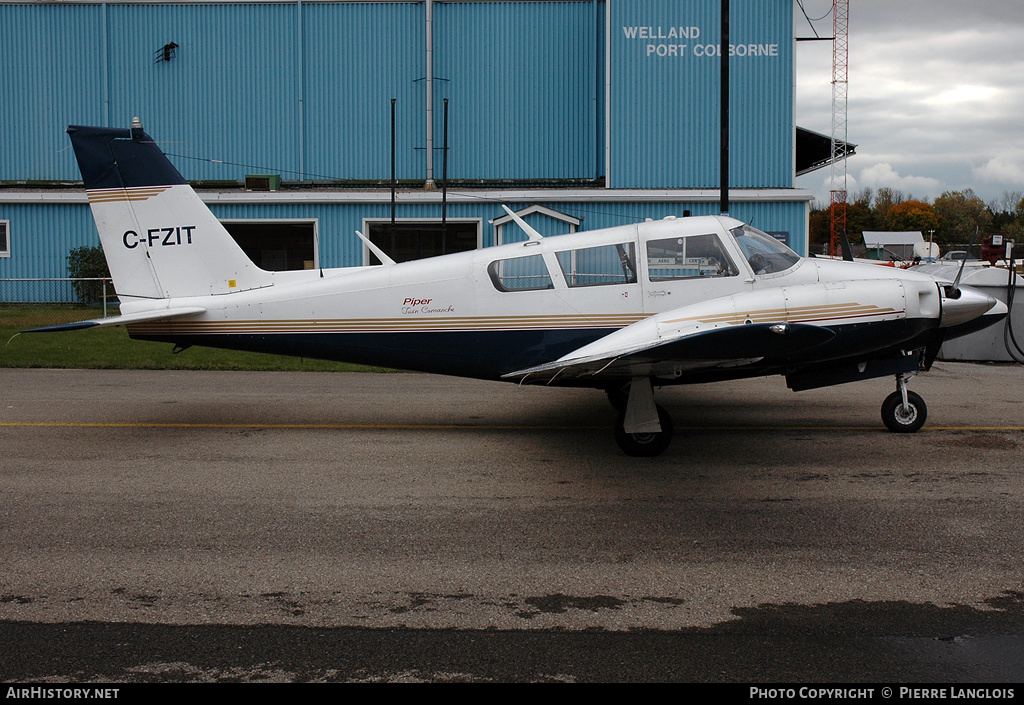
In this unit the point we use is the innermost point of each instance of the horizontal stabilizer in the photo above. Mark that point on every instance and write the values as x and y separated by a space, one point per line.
126 319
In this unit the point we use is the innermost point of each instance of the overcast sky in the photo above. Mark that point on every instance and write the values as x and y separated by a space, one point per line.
936 95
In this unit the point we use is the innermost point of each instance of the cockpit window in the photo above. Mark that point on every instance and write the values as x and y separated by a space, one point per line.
765 254
689 257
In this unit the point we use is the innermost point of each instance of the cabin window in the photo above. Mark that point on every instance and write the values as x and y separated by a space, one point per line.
520 274
688 257
597 266
5 244
765 254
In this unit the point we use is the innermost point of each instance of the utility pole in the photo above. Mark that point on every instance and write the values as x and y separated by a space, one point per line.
724 116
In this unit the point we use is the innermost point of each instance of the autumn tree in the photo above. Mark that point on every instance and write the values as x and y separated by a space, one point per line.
859 217
886 198
912 215
819 227
1007 211
960 212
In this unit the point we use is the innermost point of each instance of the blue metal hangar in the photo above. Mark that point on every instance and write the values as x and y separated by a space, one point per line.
579 114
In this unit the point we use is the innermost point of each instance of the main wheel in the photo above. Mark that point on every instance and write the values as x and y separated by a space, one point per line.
618 396
900 420
644 445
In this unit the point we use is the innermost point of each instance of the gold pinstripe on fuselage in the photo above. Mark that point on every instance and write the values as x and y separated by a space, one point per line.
804 314
390 325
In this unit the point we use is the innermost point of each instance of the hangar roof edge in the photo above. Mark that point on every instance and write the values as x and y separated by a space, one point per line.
26 197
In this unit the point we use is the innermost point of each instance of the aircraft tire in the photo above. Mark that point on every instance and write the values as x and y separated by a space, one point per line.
618 396
644 445
899 421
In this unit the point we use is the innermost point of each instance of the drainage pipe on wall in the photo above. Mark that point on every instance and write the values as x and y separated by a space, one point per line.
430 93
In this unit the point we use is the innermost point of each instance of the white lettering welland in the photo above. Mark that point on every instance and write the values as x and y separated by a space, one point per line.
675 49
661 32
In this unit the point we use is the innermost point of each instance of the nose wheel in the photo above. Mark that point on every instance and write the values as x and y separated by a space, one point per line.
903 411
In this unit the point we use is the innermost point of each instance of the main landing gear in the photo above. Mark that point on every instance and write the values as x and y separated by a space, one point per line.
643 429
903 411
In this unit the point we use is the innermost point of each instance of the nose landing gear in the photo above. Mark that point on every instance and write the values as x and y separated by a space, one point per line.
903 411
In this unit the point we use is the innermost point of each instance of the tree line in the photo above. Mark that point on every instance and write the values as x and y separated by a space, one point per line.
949 219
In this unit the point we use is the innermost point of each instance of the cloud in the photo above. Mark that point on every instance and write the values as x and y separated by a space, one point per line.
933 90
882 174
998 171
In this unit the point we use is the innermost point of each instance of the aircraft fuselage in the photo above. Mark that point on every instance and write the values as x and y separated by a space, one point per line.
491 311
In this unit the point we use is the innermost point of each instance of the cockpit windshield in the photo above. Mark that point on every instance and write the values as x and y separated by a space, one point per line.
765 254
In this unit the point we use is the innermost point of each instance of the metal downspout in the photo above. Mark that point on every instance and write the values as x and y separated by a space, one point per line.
302 90
430 94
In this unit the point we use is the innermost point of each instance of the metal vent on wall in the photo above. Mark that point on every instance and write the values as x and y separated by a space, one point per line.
262 182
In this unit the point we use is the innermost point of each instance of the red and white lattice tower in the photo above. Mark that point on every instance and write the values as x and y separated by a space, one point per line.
840 59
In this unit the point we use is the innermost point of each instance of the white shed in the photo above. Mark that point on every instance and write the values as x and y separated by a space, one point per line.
901 243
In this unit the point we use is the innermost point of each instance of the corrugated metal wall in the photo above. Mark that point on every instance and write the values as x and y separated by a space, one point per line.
665 98
521 79
359 57
50 75
42 235
229 93
304 90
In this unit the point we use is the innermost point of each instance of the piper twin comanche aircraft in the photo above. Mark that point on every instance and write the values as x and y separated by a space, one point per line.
625 310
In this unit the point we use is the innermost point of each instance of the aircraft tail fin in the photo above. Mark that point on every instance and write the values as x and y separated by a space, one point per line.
160 240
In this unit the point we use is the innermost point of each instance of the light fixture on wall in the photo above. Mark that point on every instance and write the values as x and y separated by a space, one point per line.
165 53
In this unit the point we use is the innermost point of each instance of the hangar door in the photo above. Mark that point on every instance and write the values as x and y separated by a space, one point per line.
417 239
276 245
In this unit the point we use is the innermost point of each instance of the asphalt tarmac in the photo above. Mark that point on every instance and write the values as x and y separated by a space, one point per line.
207 526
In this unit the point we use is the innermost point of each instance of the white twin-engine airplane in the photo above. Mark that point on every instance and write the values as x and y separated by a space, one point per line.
624 309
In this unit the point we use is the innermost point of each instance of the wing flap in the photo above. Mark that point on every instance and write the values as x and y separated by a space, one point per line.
126 319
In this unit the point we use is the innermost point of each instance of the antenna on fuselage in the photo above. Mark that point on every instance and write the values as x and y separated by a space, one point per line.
845 243
530 232
384 259
953 291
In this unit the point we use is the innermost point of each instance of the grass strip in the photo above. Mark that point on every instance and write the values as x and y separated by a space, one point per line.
111 348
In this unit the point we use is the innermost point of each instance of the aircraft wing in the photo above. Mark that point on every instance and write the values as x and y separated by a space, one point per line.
727 332
726 346
143 316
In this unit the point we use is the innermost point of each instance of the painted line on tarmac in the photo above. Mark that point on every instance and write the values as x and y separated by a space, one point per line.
311 426
465 427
